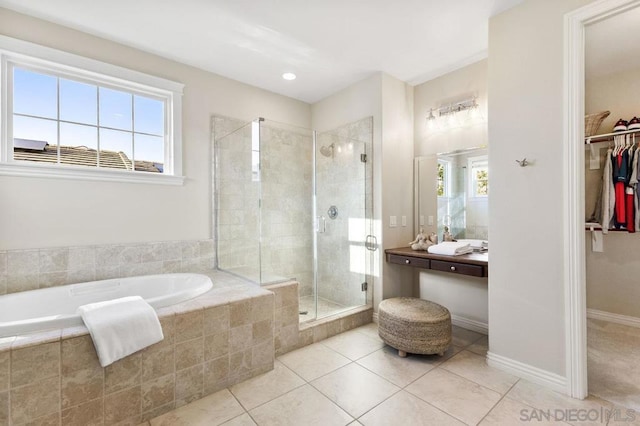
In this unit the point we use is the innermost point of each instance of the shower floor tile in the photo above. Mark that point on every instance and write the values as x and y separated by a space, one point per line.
325 308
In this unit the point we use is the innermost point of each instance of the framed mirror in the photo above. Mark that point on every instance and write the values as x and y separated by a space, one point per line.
452 190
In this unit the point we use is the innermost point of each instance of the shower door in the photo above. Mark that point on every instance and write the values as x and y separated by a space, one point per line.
342 167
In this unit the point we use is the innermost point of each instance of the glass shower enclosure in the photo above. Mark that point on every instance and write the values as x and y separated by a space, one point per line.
291 203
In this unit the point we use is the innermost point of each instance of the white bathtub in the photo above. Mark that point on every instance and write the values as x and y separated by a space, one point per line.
55 307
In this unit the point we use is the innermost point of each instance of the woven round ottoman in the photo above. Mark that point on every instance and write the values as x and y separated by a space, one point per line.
414 326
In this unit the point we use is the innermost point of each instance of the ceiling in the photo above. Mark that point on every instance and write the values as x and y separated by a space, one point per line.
329 44
611 45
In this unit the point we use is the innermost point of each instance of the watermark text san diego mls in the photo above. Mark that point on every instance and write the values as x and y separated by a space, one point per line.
602 415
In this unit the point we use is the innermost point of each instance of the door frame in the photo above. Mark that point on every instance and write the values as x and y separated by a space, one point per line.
573 186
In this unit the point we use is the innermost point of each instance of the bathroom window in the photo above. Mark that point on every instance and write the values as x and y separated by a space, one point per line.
478 176
63 119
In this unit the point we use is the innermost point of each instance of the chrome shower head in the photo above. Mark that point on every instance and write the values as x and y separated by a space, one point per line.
327 151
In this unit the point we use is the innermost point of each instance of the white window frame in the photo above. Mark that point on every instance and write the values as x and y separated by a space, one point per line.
446 164
18 53
474 163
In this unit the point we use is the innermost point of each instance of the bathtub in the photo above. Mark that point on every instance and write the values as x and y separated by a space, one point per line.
55 307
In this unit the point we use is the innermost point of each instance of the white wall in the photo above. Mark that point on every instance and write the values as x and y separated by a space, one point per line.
54 212
397 178
526 288
465 297
612 283
454 86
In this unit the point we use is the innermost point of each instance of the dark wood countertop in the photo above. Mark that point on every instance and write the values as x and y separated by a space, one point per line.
474 264
471 258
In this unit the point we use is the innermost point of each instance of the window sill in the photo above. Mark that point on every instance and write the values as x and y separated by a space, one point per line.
82 173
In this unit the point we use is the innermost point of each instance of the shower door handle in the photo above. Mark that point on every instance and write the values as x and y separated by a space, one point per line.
321 224
371 243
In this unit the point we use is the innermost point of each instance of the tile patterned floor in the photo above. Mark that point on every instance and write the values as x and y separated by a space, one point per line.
353 378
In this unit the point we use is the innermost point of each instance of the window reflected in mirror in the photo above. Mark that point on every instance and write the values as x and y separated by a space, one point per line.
452 190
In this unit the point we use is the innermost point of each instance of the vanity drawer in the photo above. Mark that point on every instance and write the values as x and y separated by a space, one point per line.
457 268
409 261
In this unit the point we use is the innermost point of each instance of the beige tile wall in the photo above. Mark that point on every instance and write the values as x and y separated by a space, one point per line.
22 270
235 195
55 378
285 333
285 215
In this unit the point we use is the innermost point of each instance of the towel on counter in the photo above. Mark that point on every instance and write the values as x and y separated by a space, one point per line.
450 248
120 327
475 244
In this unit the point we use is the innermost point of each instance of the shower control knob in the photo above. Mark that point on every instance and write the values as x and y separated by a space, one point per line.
332 212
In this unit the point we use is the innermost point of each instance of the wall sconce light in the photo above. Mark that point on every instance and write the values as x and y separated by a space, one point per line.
431 121
452 114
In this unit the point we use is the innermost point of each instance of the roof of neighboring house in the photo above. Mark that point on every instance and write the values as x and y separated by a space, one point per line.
27 150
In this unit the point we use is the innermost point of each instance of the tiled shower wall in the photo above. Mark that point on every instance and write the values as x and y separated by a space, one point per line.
345 182
22 270
236 196
285 187
287 209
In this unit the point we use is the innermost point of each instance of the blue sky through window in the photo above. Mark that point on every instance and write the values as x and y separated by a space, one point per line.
86 111
78 102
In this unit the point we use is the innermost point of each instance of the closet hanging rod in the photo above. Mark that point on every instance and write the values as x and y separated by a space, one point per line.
607 137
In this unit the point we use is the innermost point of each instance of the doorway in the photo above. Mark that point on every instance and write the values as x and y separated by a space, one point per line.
574 180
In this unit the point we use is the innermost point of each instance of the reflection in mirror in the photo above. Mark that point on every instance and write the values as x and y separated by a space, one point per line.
452 191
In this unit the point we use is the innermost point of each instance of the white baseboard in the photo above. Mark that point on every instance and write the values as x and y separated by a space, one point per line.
469 324
533 374
375 317
611 317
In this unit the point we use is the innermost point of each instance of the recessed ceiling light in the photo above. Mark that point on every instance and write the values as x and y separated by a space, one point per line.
289 76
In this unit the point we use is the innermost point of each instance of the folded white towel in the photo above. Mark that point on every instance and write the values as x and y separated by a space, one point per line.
476 244
120 327
450 248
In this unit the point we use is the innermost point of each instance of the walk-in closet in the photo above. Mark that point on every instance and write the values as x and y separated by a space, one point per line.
612 208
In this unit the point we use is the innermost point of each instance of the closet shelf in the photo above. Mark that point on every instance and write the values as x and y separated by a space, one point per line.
607 137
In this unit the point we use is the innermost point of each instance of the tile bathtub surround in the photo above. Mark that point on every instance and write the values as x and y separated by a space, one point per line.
22 270
286 331
55 377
